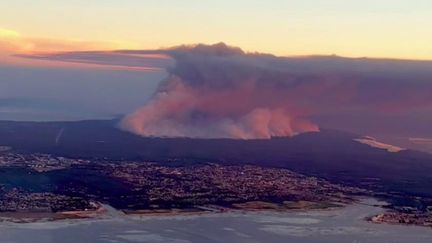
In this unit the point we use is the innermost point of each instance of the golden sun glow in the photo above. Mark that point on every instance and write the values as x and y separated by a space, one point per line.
12 43
5 33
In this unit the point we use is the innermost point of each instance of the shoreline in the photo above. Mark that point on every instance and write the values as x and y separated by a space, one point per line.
248 207
104 211
107 212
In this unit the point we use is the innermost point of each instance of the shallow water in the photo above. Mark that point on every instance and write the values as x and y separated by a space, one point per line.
341 225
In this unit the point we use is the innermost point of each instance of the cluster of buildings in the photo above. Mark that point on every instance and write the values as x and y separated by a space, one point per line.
153 185
38 162
415 218
19 201
224 185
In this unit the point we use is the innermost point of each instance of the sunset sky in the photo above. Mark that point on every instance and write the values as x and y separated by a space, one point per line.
372 28
45 75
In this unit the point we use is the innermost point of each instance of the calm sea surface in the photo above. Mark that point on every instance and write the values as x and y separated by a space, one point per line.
342 225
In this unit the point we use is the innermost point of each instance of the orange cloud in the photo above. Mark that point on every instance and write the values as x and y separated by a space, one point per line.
12 43
15 42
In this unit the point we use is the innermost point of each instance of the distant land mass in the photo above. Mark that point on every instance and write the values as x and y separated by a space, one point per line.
329 154
74 170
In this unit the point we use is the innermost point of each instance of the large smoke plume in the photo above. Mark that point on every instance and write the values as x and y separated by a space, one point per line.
221 92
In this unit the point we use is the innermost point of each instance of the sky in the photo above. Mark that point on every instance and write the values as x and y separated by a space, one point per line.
372 28
46 93
46 73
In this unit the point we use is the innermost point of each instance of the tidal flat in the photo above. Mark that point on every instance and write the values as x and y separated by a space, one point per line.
347 224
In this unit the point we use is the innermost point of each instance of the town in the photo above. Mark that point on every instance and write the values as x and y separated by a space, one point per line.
147 185
73 184
225 185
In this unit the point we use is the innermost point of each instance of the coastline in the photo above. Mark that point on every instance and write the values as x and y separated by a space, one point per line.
247 207
103 211
315 225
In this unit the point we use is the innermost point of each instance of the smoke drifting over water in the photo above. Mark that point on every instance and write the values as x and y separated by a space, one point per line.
220 92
